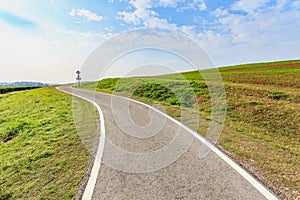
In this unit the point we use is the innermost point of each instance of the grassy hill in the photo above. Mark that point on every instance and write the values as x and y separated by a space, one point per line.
41 154
42 157
262 129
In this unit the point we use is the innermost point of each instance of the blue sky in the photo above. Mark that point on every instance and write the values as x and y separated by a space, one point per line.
47 40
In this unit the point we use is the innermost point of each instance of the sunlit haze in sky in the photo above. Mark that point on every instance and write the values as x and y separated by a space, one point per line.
47 40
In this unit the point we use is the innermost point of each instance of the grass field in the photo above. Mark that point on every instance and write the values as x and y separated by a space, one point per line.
41 154
262 129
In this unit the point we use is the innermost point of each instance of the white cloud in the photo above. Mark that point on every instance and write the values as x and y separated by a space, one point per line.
141 4
89 39
129 17
141 13
155 22
201 4
86 14
249 6
145 16
136 17
169 3
220 12
189 31
281 3
193 5
262 27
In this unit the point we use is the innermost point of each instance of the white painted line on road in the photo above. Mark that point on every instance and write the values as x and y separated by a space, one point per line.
89 189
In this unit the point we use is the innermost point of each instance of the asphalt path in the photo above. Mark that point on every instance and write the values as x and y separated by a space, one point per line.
176 172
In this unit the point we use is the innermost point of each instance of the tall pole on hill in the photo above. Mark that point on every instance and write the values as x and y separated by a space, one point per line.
78 78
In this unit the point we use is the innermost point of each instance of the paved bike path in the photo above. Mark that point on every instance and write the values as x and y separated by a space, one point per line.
189 177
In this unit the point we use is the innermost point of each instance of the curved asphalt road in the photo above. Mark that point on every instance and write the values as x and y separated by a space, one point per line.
187 178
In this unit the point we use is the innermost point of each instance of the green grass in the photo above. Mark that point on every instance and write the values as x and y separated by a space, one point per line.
41 154
262 129
88 86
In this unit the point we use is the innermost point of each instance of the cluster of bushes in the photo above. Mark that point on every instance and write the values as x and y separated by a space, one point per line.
178 93
154 91
173 93
4 90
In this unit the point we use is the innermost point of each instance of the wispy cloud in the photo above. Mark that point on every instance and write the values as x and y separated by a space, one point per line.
86 14
15 20
169 3
194 5
145 15
249 6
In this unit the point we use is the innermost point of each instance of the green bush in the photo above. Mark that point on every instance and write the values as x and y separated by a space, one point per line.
154 91
178 95
277 95
173 101
195 84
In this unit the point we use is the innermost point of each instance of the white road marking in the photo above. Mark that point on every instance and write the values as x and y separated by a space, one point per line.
89 189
